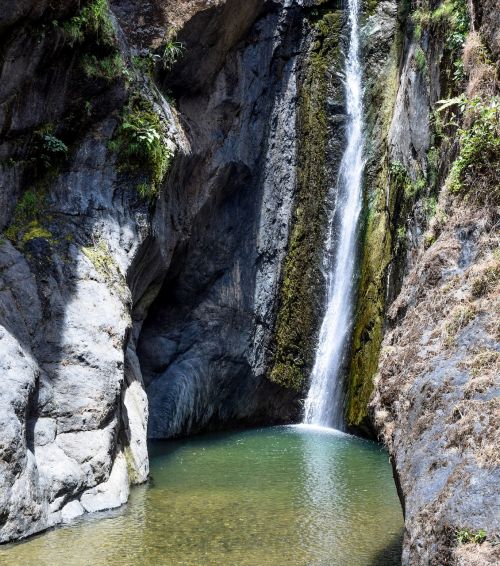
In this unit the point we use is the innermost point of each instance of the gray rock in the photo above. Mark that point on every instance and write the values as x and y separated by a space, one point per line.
111 493
71 511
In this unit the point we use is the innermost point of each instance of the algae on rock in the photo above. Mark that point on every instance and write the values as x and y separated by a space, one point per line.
320 108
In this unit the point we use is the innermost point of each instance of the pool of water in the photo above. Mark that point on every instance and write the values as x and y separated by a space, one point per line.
290 496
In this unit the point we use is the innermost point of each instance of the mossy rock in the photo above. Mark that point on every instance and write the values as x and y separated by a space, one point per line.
302 287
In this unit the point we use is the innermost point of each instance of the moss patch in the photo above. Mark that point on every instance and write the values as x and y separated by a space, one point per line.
28 218
301 291
387 184
106 266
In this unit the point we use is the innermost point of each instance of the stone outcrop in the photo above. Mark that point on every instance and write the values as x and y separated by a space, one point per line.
204 345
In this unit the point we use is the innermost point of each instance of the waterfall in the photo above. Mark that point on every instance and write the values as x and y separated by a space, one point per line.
324 403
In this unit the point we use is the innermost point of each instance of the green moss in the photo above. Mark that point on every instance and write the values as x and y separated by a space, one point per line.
383 236
141 146
370 7
133 475
106 266
301 290
102 259
145 65
35 230
421 61
369 326
26 221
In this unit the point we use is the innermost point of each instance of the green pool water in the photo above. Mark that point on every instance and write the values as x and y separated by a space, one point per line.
268 497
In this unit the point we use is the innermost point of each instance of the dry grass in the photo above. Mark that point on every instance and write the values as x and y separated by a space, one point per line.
482 74
473 555
178 12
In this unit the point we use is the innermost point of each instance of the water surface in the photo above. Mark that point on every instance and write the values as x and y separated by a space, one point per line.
292 496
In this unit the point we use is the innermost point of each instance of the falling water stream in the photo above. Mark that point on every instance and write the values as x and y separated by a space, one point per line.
324 403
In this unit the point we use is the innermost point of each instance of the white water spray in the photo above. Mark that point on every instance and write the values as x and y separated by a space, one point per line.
324 403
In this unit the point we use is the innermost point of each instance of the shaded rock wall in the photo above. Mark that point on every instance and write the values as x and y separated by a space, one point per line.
203 347
85 253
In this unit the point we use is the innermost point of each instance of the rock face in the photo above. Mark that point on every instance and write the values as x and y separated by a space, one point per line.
204 344
73 409
437 388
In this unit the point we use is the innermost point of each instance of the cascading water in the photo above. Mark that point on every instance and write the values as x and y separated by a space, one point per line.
324 403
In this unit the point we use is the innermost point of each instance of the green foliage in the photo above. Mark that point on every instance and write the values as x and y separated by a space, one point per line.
460 25
450 16
400 179
459 101
28 205
140 143
398 172
458 71
93 19
451 20
479 155
49 150
432 164
465 536
430 206
420 60
144 65
108 68
415 188
171 53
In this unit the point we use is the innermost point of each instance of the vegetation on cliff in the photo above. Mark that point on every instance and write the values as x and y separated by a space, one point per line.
140 141
299 311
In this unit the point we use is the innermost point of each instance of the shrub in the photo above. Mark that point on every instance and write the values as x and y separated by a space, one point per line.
48 149
140 143
94 20
464 536
171 53
477 166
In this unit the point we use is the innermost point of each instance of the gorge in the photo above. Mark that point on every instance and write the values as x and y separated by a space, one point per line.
219 215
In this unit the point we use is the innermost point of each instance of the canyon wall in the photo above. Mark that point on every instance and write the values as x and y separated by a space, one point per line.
436 399
165 176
